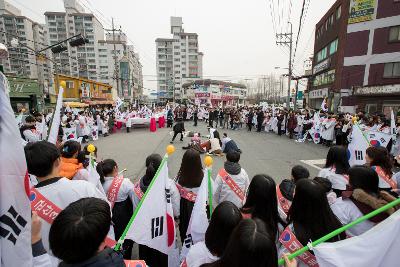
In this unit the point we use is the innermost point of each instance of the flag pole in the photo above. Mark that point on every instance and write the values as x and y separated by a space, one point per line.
341 230
208 161
170 149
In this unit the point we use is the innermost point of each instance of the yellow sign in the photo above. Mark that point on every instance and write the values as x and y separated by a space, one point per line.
361 10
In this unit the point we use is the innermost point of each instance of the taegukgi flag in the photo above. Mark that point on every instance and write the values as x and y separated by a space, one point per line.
55 124
198 223
15 211
154 224
357 147
377 247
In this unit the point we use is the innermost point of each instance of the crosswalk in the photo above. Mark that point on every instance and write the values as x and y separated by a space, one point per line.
315 163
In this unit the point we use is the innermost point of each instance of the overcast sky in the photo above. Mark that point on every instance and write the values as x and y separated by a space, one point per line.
237 37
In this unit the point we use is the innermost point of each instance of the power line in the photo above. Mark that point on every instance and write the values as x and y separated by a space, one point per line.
298 31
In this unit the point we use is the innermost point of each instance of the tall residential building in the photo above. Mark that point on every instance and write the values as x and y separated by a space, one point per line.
29 36
79 61
130 82
178 61
94 60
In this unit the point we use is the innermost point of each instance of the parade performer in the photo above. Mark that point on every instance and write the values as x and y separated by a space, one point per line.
179 128
188 181
336 169
153 124
120 194
224 219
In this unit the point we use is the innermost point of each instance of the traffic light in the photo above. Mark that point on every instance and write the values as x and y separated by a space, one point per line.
59 48
78 41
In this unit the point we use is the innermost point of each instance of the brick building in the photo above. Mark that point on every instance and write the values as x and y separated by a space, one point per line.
357 57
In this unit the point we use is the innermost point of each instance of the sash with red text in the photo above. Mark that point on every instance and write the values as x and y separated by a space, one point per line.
112 192
186 194
385 177
48 211
231 183
290 242
283 202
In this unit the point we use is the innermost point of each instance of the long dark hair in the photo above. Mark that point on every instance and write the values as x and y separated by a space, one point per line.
365 178
152 163
69 149
380 157
224 219
262 202
249 245
216 135
311 214
337 157
105 168
190 173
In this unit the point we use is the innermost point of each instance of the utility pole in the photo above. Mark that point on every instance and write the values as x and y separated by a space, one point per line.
287 39
116 67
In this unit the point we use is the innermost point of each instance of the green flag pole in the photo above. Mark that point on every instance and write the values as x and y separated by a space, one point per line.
341 230
210 191
122 238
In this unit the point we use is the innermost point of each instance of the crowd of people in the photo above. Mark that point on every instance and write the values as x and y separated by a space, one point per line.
251 215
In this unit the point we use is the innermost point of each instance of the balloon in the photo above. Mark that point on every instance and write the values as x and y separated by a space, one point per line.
170 149
208 161
91 148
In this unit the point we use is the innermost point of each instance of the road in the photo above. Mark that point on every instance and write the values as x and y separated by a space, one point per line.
263 152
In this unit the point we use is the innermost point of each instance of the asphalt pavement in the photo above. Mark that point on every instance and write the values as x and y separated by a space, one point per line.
263 152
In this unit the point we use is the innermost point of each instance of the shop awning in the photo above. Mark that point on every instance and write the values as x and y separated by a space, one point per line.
75 104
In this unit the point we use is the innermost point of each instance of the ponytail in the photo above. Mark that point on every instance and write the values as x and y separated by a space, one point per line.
152 163
105 168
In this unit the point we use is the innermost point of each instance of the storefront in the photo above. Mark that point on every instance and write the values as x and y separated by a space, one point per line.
378 99
25 94
315 97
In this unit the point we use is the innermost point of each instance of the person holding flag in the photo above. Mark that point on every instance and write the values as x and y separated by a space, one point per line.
150 189
120 194
188 181
305 223
224 219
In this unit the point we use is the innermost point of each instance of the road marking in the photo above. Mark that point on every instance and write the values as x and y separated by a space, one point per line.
314 162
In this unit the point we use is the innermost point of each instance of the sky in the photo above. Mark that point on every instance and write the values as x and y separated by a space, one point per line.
237 37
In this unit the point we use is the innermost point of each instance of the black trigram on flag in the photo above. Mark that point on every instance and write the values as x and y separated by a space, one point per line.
188 242
157 225
15 223
168 195
383 140
359 155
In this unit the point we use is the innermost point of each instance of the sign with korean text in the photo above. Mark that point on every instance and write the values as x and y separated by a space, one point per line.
361 10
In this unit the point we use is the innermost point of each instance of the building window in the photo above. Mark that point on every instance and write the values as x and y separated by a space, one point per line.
392 70
330 20
394 34
338 12
333 47
321 55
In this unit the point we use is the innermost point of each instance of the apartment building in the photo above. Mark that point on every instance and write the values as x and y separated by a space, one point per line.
130 82
79 61
178 61
22 36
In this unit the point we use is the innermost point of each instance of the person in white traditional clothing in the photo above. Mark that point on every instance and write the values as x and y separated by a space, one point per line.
378 159
121 202
224 219
151 256
43 161
305 223
28 130
81 127
236 188
336 168
328 130
364 198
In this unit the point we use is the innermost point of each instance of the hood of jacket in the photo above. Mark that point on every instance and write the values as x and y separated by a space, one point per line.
232 168
69 167
107 257
367 203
